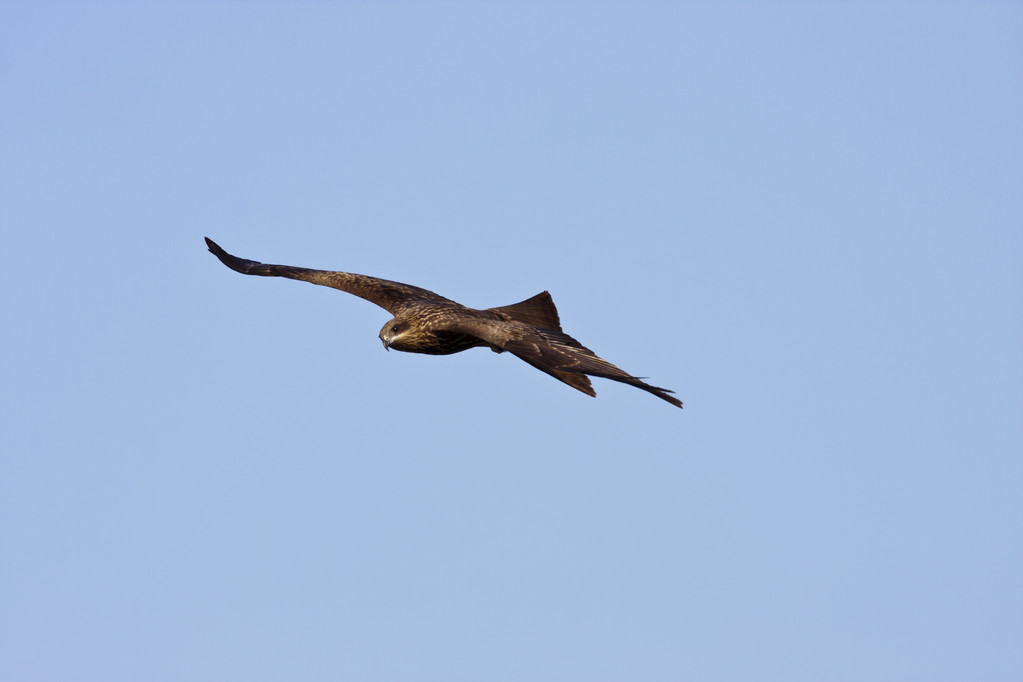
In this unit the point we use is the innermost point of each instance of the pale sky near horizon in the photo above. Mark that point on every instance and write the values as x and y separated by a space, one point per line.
805 218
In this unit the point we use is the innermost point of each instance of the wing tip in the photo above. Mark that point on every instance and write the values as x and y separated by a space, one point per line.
246 267
217 250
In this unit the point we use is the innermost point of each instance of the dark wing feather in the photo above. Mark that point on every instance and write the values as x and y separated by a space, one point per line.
394 297
555 353
552 352
538 311
580 382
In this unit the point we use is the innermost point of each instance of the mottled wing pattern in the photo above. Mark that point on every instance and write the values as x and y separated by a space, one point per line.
394 297
552 352
555 353
541 313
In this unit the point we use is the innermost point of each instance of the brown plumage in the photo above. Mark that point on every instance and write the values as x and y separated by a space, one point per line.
425 322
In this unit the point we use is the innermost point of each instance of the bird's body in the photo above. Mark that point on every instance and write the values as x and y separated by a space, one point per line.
425 322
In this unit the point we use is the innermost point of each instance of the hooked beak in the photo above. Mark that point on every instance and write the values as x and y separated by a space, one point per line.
387 346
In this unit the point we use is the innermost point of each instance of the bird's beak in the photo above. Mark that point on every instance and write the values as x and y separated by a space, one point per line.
387 346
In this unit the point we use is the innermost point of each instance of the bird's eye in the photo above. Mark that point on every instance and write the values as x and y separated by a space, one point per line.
395 328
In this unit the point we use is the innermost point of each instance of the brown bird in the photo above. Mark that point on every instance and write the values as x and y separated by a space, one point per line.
425 322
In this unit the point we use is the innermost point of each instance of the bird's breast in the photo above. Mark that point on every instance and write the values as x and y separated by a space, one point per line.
435 342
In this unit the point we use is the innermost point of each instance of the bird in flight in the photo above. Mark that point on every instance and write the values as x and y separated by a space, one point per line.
425 322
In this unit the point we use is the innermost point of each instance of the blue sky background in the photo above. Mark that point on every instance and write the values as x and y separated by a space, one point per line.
806 218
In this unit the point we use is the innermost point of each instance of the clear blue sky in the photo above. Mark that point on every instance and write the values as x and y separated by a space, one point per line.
806 218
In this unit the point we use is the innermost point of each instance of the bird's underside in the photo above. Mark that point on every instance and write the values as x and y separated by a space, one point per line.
425 322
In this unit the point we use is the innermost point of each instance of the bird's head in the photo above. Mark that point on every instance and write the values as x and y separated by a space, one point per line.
391 334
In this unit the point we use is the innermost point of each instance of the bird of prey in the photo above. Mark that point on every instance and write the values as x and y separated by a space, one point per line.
425 322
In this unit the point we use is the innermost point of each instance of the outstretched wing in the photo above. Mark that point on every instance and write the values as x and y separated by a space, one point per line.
393 297
560 352
553 352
